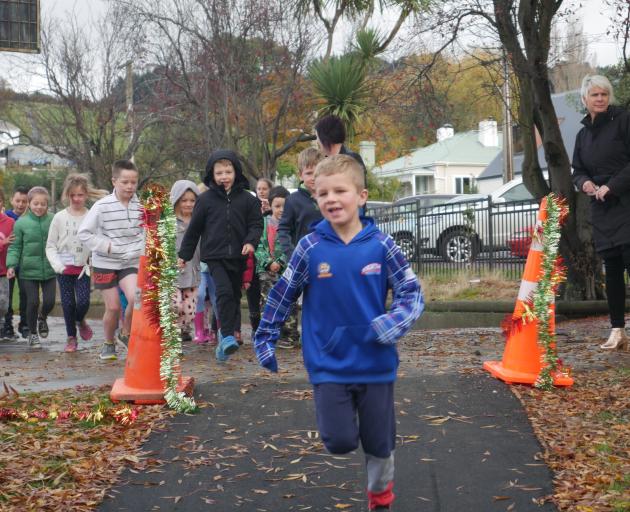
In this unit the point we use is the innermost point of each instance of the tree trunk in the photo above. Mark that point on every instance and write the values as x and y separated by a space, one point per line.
529 62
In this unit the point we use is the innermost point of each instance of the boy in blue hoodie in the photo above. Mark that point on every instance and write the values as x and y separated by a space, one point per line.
228 220
345 269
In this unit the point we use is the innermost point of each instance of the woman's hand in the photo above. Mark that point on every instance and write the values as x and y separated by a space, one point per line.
247 249
264 206
10 273
601 192
589 188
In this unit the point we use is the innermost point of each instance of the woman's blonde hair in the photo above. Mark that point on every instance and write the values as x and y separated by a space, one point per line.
80 181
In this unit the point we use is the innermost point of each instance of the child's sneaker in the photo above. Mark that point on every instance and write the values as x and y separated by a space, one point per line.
7 332
123 339
108 352
284 344
42 327
24 331
186 337
226 347
85 331
71 344
33 341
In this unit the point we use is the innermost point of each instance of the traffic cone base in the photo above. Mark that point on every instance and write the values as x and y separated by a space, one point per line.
510 376
122 392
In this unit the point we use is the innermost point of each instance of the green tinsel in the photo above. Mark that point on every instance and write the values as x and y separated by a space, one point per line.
171 341
544 295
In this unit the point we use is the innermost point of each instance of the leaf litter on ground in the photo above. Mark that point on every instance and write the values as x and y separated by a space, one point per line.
68 465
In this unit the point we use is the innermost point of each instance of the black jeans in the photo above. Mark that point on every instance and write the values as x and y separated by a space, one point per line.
227 276
253 300
8 318
616 262
32 300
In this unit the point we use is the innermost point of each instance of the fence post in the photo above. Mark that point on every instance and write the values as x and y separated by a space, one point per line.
490 235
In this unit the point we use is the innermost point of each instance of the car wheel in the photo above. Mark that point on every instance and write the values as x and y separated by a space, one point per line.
459 246
407 245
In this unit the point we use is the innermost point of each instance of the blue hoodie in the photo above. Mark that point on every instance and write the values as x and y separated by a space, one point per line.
348 336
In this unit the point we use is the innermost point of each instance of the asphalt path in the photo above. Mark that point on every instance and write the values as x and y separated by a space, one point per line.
464 444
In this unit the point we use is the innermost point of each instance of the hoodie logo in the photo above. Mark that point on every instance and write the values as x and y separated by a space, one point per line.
323 270
371 269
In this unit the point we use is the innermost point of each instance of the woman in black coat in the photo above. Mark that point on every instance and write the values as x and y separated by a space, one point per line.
601 169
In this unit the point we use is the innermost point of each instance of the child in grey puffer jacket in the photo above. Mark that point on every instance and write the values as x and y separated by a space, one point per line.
183 197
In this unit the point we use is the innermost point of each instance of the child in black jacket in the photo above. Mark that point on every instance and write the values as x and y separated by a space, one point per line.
227 218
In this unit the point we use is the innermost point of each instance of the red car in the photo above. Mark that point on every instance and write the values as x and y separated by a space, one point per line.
519 242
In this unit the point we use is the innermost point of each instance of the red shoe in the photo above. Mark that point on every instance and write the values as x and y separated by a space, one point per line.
238 338
212 338
71 344
85 331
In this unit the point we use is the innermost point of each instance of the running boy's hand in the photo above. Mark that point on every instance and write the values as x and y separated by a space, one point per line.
247 249
265 353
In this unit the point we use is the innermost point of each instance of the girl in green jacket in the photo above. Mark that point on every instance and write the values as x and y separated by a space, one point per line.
28 252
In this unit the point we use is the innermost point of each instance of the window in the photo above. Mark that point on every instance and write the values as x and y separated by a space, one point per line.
424 185
465 185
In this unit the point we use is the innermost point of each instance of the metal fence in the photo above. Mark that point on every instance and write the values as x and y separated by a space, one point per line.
471 234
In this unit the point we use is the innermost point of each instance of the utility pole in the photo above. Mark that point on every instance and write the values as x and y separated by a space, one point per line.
129 95
508 148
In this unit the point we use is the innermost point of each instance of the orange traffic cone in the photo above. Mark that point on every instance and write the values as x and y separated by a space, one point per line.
141 383
522 357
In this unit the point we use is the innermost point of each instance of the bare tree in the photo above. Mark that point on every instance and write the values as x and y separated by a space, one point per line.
81 120
232 71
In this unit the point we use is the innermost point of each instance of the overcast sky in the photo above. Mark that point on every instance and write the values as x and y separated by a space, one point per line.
604 48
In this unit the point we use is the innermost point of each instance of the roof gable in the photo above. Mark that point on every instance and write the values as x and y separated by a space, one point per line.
461 148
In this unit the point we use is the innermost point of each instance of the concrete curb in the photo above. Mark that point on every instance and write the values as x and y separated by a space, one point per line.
567 308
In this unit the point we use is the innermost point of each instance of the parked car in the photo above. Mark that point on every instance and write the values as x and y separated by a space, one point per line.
459 231
425 200
400 220
520 242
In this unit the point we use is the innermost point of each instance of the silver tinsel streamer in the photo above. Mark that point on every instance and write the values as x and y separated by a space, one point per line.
171 342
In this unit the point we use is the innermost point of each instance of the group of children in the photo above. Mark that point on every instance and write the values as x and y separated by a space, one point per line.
314 243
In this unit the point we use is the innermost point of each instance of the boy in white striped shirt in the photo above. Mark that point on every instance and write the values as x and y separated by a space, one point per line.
112 230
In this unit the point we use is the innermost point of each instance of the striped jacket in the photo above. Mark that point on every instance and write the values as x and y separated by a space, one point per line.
113 232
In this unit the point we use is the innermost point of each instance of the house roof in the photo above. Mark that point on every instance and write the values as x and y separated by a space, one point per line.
570 112
461 148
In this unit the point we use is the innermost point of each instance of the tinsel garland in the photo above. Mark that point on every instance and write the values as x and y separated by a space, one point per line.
552 274
171 341
124 415
160 288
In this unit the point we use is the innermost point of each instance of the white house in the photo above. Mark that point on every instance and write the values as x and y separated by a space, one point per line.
449 166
